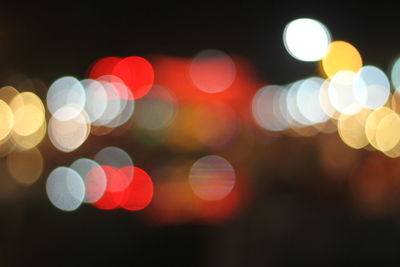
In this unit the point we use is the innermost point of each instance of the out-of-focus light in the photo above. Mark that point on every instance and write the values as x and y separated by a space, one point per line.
111 199
137 73
341 56
93 177
103 66
372 123
212 178
351 129
342 94
217 125
6 120
96 99
139 193
116 158
212 71
306 39
65 91
337 159
29 141
395 75
263 110
7 93
325 101
372 87
25 167
388 132
308 100
156 110
69 134
125 113
65 189
113 107
293 105
29 113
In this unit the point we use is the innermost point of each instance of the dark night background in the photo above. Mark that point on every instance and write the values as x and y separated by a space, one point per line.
286 222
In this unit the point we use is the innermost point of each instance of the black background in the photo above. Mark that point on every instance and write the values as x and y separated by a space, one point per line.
285 223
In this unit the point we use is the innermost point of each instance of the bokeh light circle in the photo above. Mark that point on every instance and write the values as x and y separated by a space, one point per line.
117 158
6 120
372 87
212 178
139 193
263 111
65 91
69 134
65 189
341 56
306 39
212 71
25 167
93 176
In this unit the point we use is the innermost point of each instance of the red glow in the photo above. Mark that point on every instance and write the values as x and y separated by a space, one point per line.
110 200
174 73
137 73
139 193
212 75
103 66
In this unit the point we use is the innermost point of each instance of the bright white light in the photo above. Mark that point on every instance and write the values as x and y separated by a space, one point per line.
114 104
306 39
93 176
96 99
342 94
68 135
65 189
371 87
308 100
126 111
66 91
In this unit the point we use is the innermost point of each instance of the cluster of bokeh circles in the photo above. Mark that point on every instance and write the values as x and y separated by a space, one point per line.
104 104
109 181
201 110
352 98
23 126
